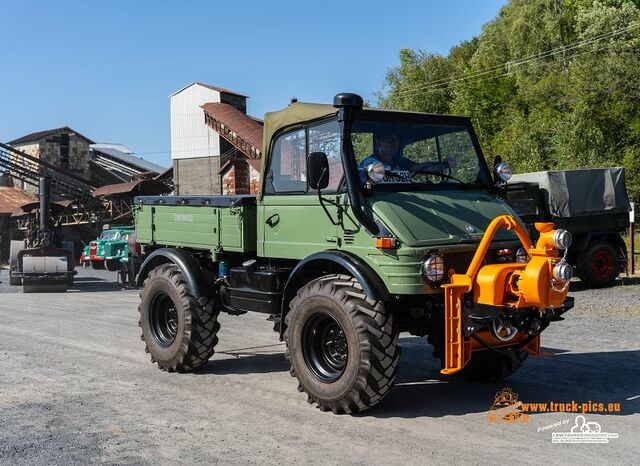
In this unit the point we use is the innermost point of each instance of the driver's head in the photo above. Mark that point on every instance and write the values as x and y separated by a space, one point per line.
386 145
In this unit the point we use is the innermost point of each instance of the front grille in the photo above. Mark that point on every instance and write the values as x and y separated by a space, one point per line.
458 261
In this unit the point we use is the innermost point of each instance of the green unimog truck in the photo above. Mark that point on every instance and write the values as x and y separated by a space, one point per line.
346 245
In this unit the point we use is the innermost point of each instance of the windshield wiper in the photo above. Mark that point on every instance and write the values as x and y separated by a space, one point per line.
444 175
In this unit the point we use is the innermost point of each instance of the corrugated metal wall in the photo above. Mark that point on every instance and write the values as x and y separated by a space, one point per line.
190 136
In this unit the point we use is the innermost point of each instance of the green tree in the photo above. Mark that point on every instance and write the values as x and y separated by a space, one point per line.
549 84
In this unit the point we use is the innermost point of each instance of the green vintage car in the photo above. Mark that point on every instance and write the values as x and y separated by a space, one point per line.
108 249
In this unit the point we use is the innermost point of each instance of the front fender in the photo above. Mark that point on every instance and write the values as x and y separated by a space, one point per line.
313 266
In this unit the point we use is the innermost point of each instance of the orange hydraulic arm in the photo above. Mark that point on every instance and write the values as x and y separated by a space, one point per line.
511 285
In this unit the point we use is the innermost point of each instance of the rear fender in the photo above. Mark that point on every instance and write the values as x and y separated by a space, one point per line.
187 264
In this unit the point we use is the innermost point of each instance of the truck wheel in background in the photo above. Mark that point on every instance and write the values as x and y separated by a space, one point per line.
111 266
598 265
491 366
485 365
14 281
342 345
179 333
97 265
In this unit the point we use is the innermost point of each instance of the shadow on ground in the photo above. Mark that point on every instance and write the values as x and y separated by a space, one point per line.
561 376
94 284
255 359
421 391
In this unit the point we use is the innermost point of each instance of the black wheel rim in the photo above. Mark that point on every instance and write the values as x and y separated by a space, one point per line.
163 320
325 347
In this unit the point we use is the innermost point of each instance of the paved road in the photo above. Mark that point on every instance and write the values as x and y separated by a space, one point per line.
76 387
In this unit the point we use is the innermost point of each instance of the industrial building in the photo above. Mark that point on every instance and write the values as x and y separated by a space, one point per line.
215 146
92 184
63 147
118 164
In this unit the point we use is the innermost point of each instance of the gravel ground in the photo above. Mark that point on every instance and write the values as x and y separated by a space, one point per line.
76 387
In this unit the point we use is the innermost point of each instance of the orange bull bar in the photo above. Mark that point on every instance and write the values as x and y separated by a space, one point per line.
510 286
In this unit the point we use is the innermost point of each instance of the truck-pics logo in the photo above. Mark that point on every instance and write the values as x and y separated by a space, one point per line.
583 431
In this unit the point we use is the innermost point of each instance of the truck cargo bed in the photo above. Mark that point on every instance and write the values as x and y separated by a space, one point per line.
215 223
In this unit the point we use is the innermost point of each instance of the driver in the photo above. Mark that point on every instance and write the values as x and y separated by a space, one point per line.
387 150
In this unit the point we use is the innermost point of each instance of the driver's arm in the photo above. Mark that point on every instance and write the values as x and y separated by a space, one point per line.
442 166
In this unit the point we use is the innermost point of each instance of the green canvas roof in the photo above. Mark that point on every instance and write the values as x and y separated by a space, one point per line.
296 113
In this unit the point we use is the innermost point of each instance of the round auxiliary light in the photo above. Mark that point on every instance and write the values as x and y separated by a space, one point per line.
433 268
522 256
375 171
504 171
562 239
563 272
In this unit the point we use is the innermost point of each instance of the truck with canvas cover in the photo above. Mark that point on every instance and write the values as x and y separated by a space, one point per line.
591 204
368 223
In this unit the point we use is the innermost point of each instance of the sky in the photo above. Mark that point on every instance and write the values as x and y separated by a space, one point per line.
107 68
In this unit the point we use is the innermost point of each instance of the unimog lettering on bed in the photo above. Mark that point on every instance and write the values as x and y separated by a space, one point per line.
345 247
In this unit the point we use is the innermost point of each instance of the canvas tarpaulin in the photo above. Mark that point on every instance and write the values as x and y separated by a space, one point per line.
575 193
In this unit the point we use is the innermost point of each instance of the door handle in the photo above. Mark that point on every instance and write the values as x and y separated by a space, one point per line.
273 220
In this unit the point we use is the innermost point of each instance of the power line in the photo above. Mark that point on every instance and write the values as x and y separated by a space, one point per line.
437 85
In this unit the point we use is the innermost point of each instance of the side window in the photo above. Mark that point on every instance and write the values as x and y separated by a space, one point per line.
326 138
288 171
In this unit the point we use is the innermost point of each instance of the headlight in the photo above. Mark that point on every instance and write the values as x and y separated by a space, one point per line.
562 239
375 171
521 255
503 170
433 269
563 272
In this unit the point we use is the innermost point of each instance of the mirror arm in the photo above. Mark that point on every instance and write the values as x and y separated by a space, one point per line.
322 201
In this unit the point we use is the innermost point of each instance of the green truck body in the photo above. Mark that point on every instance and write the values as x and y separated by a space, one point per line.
426 221
345 246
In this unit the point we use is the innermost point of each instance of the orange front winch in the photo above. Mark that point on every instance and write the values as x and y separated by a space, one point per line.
508 285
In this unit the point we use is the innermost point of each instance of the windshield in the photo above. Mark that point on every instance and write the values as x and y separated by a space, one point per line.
418 154
109 235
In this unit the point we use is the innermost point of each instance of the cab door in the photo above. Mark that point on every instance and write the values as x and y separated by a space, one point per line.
293 223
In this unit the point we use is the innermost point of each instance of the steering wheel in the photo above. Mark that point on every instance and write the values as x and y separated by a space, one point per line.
428 170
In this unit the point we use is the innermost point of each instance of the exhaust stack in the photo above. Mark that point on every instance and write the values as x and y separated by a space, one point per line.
44 194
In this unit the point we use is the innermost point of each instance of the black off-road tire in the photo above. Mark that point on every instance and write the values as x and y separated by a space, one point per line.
599 265
371 338
485 365
189 343
15 281
112 266
97 265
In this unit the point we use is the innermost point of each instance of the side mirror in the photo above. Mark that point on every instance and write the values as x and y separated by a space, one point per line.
318 170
